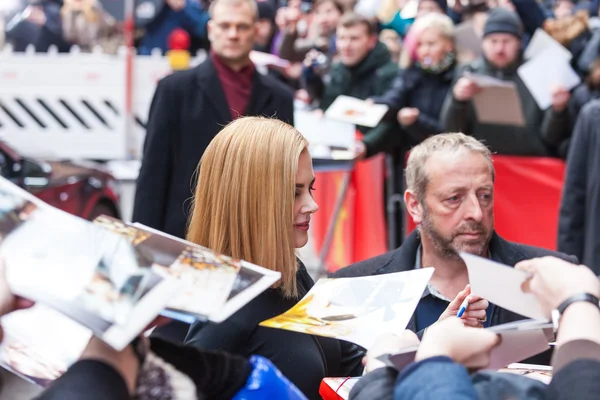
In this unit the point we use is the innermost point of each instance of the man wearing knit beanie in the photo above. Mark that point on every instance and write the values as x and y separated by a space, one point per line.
502 35
502 56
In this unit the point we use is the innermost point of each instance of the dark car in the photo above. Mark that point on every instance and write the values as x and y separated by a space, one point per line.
82 190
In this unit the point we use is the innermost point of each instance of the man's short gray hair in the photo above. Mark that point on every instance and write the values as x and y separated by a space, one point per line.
251 3
417 178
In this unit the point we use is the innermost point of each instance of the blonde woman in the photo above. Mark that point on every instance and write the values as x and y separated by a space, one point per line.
418 93
254 201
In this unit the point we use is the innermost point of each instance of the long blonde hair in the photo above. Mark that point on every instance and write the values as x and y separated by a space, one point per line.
244 201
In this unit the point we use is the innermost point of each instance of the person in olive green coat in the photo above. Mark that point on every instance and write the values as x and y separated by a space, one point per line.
365 69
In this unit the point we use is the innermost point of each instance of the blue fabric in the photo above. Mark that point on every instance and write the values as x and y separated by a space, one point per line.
267 382
428 311
193 18
430 308
434 378
398 24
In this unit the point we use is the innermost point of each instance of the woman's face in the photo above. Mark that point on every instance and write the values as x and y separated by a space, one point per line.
432 47
304 203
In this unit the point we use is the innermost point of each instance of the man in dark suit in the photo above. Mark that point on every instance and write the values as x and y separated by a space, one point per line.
190 107
450 195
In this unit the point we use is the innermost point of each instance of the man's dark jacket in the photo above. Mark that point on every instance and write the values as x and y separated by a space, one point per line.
371 77
189 108
403 259
579 221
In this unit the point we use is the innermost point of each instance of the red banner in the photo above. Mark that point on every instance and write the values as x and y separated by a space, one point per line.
360 232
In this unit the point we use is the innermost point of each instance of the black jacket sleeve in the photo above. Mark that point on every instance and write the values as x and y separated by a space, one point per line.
226 336
153 180
578 380
90 380
571 225
352 355
397 96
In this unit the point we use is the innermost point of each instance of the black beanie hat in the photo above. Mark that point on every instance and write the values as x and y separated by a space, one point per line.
266 10
501 20
443 4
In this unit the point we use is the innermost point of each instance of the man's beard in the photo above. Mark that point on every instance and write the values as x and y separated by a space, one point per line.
447 247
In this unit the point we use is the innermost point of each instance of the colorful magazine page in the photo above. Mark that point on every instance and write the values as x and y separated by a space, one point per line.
355 111
206 277
84 271
214 286
41 358
358 310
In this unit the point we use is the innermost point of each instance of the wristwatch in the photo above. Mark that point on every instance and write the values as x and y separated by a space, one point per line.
576 298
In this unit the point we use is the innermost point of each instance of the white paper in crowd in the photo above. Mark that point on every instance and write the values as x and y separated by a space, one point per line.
268 60
468 42
501 285
112 277
356 111
77 268
545 71
518 345
328 138
40 344
410 9
357 310
542 41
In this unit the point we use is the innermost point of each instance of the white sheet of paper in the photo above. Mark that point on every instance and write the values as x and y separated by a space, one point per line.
542 41
355 111
325 135
543 72
410 9
518 345
501 285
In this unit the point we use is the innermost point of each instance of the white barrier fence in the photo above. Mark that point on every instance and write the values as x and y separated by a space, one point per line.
73 105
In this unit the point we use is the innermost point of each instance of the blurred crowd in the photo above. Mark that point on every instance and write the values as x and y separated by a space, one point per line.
252 194
410 55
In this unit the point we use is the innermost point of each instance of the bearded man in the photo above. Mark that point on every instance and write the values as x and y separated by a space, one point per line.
450 195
